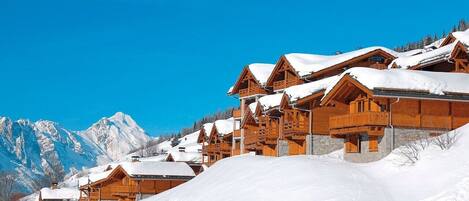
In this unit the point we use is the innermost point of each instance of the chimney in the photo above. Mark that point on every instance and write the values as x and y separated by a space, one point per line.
54 185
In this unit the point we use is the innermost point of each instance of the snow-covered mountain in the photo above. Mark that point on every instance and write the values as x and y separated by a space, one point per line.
116 135
39 151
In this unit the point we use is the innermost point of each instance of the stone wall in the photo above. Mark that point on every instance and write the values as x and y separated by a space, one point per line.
282 148
387 143
324 144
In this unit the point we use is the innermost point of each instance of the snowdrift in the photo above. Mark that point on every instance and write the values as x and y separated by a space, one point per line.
438 175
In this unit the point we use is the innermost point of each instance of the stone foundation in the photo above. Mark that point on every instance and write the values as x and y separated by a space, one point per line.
322 144
388 142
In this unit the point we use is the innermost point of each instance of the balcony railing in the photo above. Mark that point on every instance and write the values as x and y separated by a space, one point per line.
250 91
225 147
282 84
251 137
295 122
359 119
268 135
211 148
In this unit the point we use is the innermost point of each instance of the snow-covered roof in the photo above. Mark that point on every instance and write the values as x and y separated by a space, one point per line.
270 101
208 128
226 126
151 168
437 83
462 36
194 157
303 90
436 55
305 64
60 194
261 71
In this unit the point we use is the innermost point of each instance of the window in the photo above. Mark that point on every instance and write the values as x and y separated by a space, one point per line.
377 59
373 143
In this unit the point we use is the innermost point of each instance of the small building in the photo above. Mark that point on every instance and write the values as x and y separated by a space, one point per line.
193 159
137 180
59 194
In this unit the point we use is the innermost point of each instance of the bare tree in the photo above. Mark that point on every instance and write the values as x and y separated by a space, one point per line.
7 184
446 141
411 151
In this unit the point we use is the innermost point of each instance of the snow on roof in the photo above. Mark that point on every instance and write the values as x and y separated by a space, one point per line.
462 36
194 157
189 138
253 107
208 128
93 177
439 54
261 71
230 90
270 101
225 126
303 90
306 64
150 168
60 194
438 83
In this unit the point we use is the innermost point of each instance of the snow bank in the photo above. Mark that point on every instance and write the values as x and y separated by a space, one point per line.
437 176
439 83
306 64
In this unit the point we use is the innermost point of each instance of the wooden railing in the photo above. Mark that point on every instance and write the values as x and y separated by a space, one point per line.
236 113
212 148
268 134
225 147
359 119
282 84
251 137
123 189
250 91
295 122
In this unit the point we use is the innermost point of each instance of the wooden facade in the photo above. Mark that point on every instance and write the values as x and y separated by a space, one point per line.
218 146
119 185
369 114
247 85
456 61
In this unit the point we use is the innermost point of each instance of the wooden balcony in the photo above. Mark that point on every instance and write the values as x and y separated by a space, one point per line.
358 122
268 135
296 123
123 189
212 148
282 84
225 147
236 113
250 91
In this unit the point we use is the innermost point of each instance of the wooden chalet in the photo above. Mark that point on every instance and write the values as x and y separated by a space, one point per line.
294 69
204 134
193 159
220 140
137 180
389 108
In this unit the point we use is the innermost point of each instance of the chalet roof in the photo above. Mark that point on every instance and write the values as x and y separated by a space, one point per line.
188 157
60 194
305 64
462 36
270 101
408 81
225 126
261 71
437 55
153 168
208 128
303 90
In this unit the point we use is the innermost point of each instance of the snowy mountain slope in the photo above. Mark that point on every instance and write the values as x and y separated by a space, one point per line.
439 175
44 150
116 135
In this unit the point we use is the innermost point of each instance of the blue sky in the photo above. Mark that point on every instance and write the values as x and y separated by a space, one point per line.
167 63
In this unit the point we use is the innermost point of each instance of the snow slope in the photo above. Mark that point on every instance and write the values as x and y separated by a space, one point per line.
439 175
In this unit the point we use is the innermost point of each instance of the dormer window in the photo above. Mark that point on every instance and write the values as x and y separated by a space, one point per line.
377 59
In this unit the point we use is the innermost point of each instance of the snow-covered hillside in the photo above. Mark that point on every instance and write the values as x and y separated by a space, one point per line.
117 135
438 175
44 150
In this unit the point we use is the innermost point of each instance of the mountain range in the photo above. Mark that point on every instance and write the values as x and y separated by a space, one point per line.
41 152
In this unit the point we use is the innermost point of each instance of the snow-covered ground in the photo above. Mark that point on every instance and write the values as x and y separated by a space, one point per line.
439 175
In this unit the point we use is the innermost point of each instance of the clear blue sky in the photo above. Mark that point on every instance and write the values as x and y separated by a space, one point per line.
167 63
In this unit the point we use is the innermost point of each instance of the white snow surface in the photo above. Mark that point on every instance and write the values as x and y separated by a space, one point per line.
305 64
60 193
226 126
303 90
462 36
261 71
194 157
157 168
439 83
438 176
270 101
439 54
